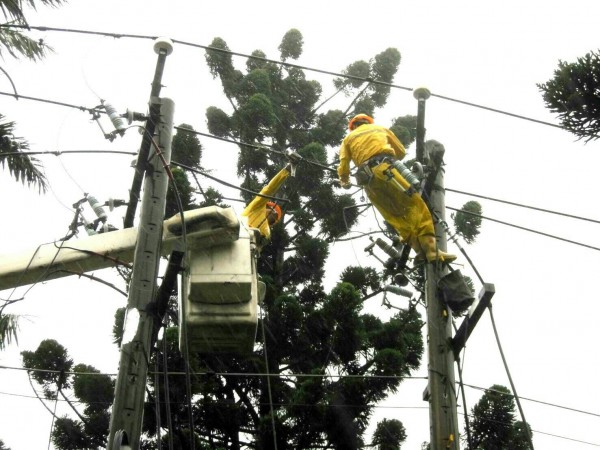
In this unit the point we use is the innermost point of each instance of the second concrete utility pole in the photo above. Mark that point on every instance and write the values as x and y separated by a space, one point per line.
440 392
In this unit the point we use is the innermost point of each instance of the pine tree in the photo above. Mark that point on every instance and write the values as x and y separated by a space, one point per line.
494 426
320 363
573 94
389 435
53 369
309 332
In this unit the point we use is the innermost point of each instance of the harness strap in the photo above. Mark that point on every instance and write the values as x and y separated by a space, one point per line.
378 159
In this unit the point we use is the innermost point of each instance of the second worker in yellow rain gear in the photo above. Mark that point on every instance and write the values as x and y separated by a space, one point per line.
373 150
262 213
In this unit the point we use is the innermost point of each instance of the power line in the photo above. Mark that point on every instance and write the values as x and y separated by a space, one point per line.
268 148
311 405
263 147
533 400
218 180
378 407
282 63
524 228
298 375
65 152
52 102
292 65
522 205
217 403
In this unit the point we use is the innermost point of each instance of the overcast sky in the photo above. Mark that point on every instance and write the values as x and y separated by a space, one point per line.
486 53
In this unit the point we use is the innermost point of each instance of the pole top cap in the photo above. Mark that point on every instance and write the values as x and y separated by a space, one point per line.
421 93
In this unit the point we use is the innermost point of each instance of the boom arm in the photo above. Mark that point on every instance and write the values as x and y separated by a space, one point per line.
205 227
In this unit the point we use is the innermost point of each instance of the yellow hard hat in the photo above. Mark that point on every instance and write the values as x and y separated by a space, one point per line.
359 117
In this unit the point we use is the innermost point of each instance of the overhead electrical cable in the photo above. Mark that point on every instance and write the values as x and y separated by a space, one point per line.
297 375
91 277
524 228
53 102
218 180
522 205
512 385
282 63
256 146
346 76
535 401
269 391
379 407
65 152
36 397
188 168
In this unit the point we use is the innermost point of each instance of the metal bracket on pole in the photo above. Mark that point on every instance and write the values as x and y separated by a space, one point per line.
468 324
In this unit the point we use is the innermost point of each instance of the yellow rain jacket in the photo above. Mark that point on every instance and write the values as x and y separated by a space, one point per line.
409 215
256 211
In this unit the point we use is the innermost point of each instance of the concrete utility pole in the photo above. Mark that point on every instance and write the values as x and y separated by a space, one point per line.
163 47
128 407
440 392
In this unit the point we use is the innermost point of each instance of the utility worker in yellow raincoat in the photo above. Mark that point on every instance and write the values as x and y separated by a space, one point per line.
261 212
373 149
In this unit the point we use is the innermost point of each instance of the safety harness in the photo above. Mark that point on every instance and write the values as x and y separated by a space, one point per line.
364 173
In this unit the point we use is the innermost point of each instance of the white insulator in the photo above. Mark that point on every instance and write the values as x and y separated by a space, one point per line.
97 207
115 118
163 44
398 290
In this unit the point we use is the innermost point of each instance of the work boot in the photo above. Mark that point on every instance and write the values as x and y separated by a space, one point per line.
431 252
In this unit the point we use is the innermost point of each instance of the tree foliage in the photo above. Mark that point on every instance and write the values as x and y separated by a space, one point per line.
303 329
307 330
49 362
186 147
467 221
22 167
14 42
186 150
573 94
180 190
9 327
494 426
389 435
52 368
378 73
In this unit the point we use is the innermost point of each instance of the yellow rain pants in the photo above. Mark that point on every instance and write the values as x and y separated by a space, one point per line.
409 215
